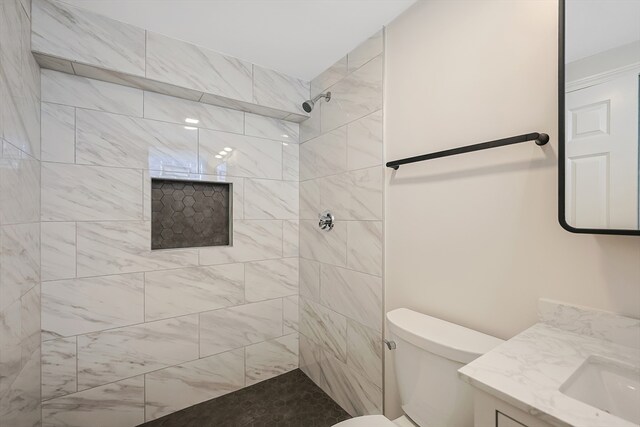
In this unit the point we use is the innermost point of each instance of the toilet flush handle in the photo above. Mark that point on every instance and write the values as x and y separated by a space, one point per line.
391 345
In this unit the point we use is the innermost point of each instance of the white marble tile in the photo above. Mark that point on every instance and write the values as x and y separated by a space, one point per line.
364 351
309 355
271 358
310 279
90 193
80 306
171 389
355 96
366 194
53 63
19 260
355 295
120 404
106 139
30 320
329 77
291 162
76 91
327 247
58 133
79 35
20 106
364 142
20 180
253 240
270 199
58 250
600 324
26 5
271 279
290 238
277 90
270 128
310 206
114 247
364 246
171 293
115 354
235 327
366 51
20 406
10 342
137 82
355 195
336 195
30 109
237 187
290 315
249 156
176 110
11 81
357 395
58 368
324 155
310 128
324 327
184 64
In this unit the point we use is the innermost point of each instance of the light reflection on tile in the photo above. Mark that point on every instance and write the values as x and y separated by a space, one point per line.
249 156
113 140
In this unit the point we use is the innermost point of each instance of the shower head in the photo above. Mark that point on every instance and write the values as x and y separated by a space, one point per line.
308 104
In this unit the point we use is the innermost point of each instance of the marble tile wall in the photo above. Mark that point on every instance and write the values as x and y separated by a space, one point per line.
341 157
130 334
76 41
20 343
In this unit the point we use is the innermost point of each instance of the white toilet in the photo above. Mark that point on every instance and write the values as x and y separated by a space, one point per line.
428 354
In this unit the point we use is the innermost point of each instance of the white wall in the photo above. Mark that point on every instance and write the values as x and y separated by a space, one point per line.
474 239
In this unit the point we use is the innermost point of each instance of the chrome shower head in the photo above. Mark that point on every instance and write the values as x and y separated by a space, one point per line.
310 103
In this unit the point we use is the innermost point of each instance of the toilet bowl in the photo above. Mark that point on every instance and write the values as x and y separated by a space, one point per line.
429 352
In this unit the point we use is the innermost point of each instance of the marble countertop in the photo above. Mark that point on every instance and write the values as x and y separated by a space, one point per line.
528 370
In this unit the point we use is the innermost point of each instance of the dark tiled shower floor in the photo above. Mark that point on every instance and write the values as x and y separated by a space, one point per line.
289 400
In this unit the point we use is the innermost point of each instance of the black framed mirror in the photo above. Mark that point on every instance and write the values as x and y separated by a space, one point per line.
598 108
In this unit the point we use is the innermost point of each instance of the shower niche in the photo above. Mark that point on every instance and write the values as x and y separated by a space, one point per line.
187 214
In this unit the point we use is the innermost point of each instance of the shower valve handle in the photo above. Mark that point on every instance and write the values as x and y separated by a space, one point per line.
326 221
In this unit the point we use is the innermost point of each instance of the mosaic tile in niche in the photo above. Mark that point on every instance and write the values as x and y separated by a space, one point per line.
188 214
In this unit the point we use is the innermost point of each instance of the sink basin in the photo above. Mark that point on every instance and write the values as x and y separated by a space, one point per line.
608 385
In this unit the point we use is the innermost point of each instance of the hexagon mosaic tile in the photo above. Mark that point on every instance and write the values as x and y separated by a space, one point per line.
186 214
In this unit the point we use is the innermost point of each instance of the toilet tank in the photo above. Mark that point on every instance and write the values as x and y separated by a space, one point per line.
429 352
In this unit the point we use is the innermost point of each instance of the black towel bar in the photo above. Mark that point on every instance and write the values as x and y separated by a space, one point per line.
539 138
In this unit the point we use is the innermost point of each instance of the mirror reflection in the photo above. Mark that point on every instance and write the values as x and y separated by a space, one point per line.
602 69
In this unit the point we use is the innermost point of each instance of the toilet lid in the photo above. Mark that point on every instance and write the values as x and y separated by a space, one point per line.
367 421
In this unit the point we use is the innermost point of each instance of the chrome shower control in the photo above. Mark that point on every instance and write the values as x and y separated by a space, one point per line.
326 221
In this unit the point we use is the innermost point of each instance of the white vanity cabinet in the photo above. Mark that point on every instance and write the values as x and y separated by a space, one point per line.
490 411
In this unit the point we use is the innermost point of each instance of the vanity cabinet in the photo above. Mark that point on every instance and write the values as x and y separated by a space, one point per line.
490 411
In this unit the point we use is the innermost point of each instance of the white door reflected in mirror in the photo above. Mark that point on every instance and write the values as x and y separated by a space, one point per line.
602 94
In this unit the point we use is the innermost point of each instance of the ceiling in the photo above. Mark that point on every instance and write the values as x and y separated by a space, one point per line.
593 26
300 38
